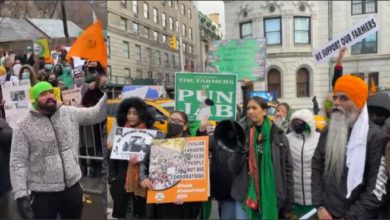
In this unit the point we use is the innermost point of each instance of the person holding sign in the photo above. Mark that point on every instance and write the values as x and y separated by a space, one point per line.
177 127
44 166
124 180
263 186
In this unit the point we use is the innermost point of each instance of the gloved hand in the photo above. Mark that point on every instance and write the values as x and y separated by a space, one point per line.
24 207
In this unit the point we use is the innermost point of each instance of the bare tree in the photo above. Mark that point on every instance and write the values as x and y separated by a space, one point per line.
46 9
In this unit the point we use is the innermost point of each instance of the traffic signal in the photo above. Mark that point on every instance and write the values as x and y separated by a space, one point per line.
173 42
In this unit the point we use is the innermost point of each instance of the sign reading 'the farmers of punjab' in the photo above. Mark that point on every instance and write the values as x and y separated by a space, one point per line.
243 57
206 95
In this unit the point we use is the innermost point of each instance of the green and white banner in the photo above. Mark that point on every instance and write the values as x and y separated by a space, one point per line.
206 95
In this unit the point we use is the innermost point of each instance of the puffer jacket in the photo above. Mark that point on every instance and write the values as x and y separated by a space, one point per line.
302 148
44 151
281 159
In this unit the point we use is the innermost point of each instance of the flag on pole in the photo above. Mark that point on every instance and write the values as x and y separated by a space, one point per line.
90 45
41 48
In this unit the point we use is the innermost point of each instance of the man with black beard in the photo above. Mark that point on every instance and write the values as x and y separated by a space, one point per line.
349 179
44 164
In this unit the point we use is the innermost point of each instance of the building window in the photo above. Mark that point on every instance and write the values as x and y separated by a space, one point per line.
155 15
190 33
190 49
303 83
108 46
158 57
273 31
138 52
177 26
146 32
173 61
135 7
183 30
184 47
135 27
124 24
171 23
274 82
360 75
126 49
189 13
183 9
246 30
170 3
364 7
128 71
163 20
166 59
146 10
367 45
164 38
302 30
155 35
124 3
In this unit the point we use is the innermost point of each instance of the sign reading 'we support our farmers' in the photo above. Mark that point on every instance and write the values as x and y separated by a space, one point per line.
358 32
206 95
244 57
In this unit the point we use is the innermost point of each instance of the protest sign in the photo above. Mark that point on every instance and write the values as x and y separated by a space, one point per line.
354 35
244 57
16 101
41 48
179 170
132 143
72 97
143 92
268 96
206 95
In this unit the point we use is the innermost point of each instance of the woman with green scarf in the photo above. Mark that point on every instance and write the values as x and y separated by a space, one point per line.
263 186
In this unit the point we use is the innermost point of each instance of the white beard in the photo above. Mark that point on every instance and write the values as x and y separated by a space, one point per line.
336 146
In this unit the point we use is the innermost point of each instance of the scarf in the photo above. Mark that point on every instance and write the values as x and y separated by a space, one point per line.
261 202
356 151
132 175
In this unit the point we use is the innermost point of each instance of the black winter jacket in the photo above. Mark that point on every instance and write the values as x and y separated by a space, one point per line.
5 149
365 199
282 164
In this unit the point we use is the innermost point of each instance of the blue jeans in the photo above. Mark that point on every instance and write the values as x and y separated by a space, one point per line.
230 209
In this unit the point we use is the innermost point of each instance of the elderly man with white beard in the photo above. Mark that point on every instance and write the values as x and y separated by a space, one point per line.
349 179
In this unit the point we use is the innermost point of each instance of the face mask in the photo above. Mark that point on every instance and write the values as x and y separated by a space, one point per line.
25 75
79 81
54 83
91 69
174 129
299 127
278 122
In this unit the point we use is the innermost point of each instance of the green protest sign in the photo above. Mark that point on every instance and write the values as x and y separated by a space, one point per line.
206 95
244 57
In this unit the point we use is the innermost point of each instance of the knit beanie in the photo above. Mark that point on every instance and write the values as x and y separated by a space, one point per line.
39 88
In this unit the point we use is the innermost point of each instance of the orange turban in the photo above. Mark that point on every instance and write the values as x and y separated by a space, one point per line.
354 87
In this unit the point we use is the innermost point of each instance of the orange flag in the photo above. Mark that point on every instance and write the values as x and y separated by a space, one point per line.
373 88
90 45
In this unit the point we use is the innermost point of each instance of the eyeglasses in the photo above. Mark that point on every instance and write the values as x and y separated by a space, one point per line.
176 121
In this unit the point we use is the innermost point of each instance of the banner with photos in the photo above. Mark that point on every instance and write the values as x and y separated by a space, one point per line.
72 97
179 170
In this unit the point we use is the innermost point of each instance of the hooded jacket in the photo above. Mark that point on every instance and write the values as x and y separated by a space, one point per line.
387 151
281 158
44 152
302 148
366 198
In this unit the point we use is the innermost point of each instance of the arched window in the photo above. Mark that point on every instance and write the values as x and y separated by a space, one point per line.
303 83
274 82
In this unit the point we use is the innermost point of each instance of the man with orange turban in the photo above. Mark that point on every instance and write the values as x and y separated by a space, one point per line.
349 180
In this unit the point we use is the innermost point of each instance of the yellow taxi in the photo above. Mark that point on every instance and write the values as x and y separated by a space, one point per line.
163 107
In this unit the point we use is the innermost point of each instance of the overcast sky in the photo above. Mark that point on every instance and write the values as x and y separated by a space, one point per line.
208 7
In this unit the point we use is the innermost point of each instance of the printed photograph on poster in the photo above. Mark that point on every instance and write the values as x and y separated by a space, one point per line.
72 97
132 143
17 101
178 170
